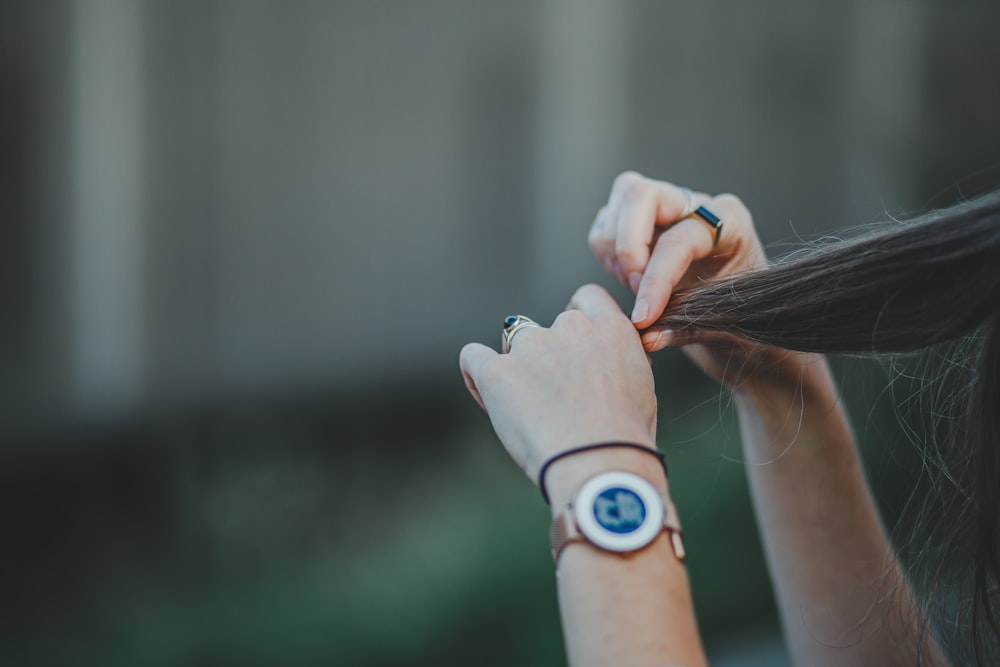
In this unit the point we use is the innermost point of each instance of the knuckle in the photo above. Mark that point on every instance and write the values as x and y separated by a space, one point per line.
584 290
731 204
736 213
597 232
626 179
629 256
728 199
581 296
634 191
615 325
601 246
571 318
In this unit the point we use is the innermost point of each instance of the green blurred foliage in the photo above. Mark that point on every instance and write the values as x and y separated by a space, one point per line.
403 541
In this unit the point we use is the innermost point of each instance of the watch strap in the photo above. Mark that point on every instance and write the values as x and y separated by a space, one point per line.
672 524
564 530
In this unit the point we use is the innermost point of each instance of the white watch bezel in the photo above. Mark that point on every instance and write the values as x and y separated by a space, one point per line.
583 510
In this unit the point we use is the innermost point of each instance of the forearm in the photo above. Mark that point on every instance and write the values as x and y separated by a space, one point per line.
587 380
842 595
622 610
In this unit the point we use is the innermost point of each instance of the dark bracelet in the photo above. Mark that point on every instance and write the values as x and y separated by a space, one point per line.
587 448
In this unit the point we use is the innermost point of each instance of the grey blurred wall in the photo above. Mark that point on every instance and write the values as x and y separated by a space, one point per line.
213 200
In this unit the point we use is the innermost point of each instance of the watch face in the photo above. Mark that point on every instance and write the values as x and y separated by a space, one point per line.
619 511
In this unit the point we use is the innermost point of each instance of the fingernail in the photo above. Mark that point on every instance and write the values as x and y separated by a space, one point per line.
664 339
609 266
633 281
640 310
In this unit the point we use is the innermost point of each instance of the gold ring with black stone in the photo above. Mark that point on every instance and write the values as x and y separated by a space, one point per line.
712 220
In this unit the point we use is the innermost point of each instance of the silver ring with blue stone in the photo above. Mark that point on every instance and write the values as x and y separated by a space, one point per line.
511 325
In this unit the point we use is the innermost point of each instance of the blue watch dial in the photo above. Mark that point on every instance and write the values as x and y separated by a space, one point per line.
619 510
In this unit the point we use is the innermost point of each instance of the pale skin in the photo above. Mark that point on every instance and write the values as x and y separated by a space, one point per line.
584 380
842 596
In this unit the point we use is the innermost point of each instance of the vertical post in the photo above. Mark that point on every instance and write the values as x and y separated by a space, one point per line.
887 91
581 133
106 210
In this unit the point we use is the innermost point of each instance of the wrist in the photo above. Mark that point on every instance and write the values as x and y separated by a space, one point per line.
777 373
773 415
566 475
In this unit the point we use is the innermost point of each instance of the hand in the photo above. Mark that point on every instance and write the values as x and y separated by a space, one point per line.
641 239
582 381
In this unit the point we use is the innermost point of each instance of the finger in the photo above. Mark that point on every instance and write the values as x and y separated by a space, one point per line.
737 222
522 335
655 339
681 245
595 301
599 240
603 242
603 231
472 360
637 216
686 242
643 207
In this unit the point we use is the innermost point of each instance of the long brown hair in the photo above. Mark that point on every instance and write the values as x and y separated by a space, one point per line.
903 288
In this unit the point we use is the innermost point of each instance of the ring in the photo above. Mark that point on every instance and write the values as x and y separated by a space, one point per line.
688 203
712 220
511 325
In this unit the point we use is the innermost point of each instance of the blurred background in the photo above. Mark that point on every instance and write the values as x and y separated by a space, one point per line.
242 243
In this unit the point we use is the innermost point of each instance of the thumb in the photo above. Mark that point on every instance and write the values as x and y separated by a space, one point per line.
472 360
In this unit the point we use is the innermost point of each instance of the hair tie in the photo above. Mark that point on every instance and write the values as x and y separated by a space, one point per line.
587 448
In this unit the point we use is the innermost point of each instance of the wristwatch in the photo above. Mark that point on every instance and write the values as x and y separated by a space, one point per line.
619 512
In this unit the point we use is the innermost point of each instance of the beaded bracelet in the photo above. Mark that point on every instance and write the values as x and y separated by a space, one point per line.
587 448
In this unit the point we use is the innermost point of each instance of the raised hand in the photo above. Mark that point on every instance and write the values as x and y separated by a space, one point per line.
585 379
646 237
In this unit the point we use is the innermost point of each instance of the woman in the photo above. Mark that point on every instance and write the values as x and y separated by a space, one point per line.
702 281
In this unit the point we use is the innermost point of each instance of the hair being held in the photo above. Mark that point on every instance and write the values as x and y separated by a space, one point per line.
934 280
